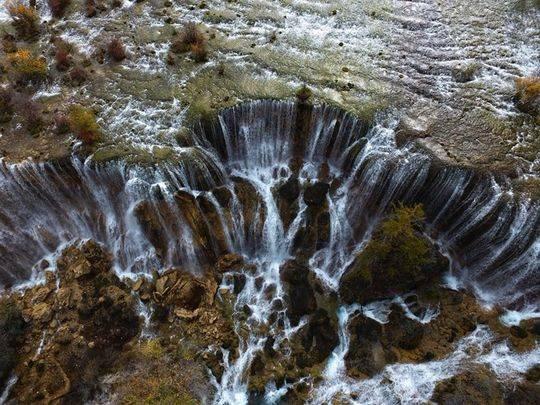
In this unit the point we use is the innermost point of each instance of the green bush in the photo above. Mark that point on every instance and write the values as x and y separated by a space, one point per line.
82 123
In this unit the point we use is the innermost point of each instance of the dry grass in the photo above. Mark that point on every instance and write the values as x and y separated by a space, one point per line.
25 19
24 67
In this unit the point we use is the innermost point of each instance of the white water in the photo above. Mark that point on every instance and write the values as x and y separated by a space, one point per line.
490 235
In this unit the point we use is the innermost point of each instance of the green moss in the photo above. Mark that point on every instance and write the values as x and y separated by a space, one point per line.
152 349
164 394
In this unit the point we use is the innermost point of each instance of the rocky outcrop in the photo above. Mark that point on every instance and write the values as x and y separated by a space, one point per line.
75 331
397 260
183 293
300 295
478 386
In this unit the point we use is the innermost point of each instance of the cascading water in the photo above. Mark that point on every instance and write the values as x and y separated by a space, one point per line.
188 214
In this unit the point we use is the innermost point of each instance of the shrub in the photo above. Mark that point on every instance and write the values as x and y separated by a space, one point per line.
61 123
9 44
25 19
527 96
116 50
25 67
6 104
78 75
304 93
62 59
58 7
199 53
82 123
191 39
90 8
32 113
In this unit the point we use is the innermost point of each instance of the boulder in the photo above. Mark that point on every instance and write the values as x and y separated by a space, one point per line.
184 293
320 337
300 295
366 355
478 386
229 262
401 331
315 194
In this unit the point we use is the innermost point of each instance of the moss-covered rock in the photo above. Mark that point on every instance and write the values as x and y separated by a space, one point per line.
396 260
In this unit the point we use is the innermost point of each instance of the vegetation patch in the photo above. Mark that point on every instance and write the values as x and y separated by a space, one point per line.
25 19
527 94
24 67
82 123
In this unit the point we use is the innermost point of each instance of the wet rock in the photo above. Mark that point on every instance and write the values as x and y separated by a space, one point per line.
253 210
463 73
477 386
85 324
300 296
397 260
239 282
290 190
12 328
315 194
524 394
184 293
366 355
401 331
223 196
518 332
230 262
148 219
319 338
287 200
195 219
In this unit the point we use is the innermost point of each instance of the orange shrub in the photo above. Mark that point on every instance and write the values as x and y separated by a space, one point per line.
25 67
25 19
528 94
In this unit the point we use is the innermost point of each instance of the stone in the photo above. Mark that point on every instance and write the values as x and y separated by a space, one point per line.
315 194
300 296
230 262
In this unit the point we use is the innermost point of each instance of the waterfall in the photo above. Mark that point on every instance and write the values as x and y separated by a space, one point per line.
220 197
